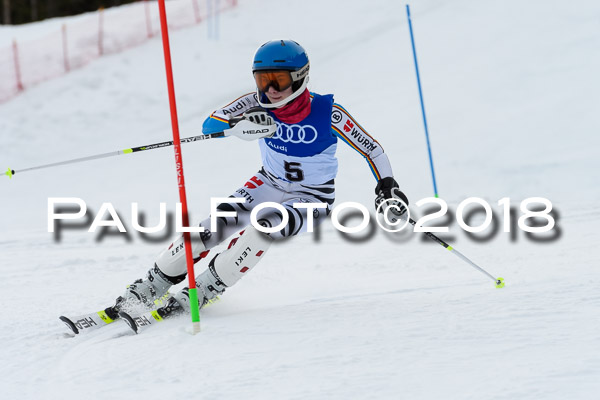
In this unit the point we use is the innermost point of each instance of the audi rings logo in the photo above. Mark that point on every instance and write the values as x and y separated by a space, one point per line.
305 134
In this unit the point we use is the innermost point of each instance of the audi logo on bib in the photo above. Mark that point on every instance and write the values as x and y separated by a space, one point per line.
305 134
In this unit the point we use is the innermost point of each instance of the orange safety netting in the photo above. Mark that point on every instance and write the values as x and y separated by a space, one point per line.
75 44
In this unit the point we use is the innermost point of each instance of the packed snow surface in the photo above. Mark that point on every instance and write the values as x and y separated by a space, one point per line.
512 94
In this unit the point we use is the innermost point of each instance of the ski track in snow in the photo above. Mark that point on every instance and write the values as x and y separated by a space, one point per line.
512 100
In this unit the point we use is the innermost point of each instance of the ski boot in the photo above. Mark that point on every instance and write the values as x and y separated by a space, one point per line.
146 293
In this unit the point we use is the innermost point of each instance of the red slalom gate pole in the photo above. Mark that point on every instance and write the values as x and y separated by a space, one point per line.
65 48
148 21
17 66
196 11
194 308
101 31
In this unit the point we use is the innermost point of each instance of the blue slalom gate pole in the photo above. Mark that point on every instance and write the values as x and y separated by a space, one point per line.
412 40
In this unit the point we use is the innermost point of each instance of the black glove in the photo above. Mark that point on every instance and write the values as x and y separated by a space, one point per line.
386 189
258 115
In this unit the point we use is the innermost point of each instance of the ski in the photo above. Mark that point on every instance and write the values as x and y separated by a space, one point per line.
138 321
89 322
95 320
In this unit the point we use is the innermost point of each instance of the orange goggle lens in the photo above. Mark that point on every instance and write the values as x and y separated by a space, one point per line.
280 80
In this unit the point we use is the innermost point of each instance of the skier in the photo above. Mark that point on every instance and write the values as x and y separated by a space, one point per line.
297 132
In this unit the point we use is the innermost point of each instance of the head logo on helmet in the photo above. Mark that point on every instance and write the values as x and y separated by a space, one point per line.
285 55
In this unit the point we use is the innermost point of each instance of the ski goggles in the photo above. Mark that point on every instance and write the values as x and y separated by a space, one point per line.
280 80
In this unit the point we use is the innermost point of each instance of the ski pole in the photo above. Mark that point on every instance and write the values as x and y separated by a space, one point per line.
10 172
499 281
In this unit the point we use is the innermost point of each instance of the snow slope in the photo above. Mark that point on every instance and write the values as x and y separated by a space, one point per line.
512 94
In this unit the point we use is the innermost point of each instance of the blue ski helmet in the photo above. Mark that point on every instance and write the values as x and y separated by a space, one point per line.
285 55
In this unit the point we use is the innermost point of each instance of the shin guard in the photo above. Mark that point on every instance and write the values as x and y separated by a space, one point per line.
242 254
228 267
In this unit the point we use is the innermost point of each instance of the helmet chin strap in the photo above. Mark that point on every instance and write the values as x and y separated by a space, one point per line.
286 100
